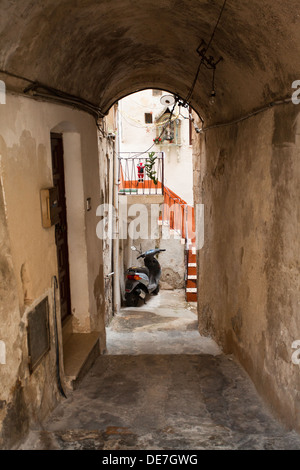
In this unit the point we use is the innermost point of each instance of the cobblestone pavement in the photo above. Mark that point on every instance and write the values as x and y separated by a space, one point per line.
162 386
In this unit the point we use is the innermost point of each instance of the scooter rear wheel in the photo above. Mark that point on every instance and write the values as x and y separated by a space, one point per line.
132 300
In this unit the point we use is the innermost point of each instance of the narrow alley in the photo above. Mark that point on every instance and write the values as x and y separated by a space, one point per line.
162 386
149 148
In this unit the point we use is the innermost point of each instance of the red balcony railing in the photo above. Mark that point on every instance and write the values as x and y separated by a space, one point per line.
135 176
179 215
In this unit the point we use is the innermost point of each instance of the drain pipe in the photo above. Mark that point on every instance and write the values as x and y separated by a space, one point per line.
58 378
116 268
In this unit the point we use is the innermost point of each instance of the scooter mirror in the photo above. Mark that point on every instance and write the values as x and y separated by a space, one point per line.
133 248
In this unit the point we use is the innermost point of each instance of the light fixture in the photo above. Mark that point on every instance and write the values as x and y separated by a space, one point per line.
212 99
167 100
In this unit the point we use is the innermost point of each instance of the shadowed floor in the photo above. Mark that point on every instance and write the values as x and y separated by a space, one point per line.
162 386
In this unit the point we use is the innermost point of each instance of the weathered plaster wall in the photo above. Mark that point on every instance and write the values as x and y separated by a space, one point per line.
139 216
28 251
106 154
248 176
172 260
10 332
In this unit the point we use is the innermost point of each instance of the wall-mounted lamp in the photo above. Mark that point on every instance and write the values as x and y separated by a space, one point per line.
212 98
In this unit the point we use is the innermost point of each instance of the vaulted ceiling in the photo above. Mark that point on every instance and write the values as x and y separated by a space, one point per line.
102 50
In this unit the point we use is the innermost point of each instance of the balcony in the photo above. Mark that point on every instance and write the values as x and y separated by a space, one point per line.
141 175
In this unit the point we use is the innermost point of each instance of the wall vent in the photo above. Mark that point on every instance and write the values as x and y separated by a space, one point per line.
38 333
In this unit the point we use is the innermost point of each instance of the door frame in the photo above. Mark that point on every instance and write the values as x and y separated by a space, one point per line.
66 298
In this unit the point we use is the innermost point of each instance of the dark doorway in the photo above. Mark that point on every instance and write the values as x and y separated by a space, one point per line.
61 228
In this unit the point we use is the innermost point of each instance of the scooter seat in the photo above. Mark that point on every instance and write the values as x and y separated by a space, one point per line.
142 270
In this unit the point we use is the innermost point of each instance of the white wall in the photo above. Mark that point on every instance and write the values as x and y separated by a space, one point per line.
136 136
25 169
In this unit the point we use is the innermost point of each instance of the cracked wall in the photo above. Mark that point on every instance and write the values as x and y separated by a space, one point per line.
28 259
248 176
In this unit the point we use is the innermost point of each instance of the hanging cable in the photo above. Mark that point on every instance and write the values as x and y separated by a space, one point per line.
14 75
160 135
204 60
53 94
216 26
247 116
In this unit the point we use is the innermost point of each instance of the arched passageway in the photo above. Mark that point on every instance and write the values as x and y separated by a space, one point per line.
102 52
87 55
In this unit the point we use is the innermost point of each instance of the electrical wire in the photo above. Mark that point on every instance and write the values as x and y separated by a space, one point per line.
54 94
57 95
163 130
129 97
189 95
19 77
247 116
144 126
216 26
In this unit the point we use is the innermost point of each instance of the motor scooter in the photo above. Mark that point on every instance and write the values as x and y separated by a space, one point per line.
141 281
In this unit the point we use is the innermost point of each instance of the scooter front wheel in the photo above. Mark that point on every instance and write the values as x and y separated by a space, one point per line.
156 291
132 299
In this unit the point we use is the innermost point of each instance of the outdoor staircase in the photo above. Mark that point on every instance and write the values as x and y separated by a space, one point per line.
180 221
191 281
185 229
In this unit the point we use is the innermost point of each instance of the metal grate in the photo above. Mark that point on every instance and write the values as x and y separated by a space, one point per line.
38 333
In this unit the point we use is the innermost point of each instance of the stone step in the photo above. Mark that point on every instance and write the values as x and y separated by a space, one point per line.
191 283
192 271
192 258
191 296
80 352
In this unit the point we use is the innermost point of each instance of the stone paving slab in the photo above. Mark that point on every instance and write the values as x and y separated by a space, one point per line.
163 402
161 386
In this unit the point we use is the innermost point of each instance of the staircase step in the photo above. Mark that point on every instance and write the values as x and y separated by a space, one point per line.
80 352
192 271
191 283
191 296
192 258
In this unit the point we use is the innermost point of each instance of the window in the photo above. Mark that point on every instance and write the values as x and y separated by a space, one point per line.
38 333
148 118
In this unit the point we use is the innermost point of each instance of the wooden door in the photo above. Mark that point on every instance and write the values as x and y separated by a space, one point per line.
61 228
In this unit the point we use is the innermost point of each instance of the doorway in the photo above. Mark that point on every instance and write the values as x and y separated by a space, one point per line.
61 228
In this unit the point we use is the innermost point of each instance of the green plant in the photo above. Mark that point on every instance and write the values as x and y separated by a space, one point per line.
150 162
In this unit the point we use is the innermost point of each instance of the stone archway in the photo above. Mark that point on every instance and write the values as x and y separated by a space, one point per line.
93 53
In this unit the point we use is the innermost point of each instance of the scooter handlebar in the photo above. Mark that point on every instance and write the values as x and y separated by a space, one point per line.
154 252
